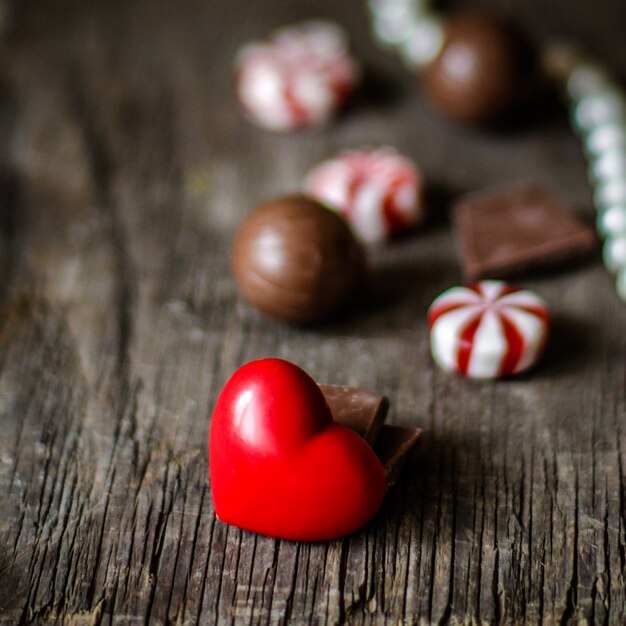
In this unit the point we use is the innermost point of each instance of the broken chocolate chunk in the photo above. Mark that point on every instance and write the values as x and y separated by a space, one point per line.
392 448
512 231
359 409
364 412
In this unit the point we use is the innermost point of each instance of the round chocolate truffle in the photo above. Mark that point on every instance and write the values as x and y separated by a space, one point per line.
483 70
296 260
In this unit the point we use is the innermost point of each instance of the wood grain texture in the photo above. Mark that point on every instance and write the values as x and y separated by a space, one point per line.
125 168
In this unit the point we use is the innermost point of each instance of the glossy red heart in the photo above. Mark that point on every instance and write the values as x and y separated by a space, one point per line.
281 466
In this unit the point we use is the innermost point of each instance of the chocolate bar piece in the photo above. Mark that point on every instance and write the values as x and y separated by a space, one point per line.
392 448
508 232
364 412
359 409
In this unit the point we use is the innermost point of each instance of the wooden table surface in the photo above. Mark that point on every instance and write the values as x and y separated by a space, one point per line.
125 168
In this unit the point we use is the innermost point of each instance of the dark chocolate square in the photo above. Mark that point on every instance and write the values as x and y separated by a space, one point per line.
508 232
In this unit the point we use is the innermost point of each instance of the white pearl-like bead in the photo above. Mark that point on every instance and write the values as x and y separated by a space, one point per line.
391 32
610 192
606 137
612 220
620 283
395 20
614 252
378 7
424 43
585 80
599 108
610 164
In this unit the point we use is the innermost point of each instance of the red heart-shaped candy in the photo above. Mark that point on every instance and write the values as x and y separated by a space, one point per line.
281 466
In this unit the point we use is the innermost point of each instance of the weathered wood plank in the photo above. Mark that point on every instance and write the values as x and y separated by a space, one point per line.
125 169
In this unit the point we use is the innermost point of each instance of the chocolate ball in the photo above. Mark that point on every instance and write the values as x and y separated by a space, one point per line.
483 71
296 260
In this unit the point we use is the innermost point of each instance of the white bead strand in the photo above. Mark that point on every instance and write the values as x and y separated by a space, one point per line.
410 27
598 115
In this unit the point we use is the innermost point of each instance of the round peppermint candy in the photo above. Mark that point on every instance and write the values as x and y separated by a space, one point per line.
379 192
297 78
487 330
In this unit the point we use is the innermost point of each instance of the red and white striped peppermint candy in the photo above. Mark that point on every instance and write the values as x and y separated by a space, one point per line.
379 192
297 78
487 330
